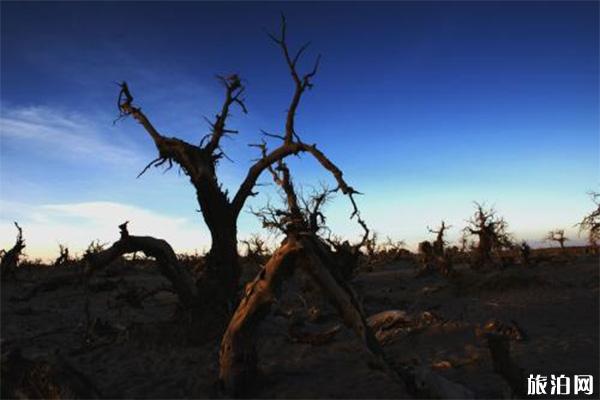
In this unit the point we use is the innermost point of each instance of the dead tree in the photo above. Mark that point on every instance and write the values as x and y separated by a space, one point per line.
199 162
433 255
63 256
181 279
390 250
256 249
439 243
372 246
430 261
490 230
301 248
10 258
94 247
442 258
591 222
557 235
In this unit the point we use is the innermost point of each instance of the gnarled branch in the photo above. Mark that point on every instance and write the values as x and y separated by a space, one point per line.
10 258
237 357
233 92
162 251
301 82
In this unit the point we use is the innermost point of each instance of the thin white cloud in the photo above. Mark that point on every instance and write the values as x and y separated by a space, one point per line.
77 224
63 135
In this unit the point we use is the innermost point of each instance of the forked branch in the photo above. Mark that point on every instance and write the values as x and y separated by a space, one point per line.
233 95
302 82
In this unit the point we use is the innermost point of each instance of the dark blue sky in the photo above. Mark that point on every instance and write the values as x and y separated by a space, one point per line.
426 106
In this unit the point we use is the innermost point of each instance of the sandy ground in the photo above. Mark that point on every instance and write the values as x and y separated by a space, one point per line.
137 351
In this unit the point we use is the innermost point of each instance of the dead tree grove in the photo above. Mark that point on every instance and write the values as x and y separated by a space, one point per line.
10 258
490 230
219 209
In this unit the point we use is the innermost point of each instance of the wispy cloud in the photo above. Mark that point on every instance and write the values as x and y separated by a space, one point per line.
65 135
77 224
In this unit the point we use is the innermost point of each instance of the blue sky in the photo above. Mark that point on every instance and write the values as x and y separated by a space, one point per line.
425 106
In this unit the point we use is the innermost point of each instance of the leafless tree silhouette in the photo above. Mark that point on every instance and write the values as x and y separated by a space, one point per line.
433 255
256 248
439 243
490 229
557 235
199 162
10 258
63 256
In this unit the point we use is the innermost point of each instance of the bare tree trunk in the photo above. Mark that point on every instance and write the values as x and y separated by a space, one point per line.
199 161
320 266
223 259
10 258
483 252
237 358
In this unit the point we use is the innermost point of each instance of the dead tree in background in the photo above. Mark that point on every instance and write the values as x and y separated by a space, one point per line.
433 255
439 243
591 222
390 250
63 256
199 162
372 246
256 249
557 235
10 258
490 230
94 247
301 248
